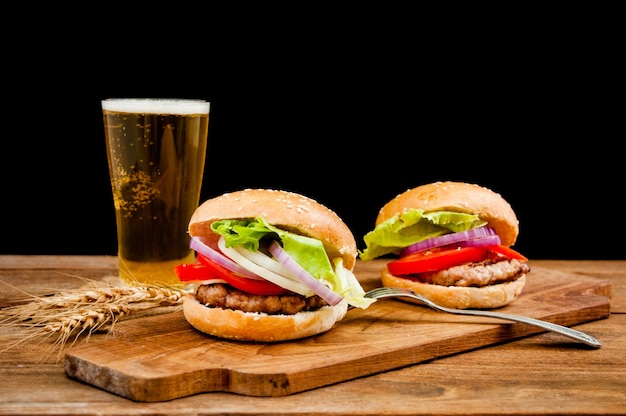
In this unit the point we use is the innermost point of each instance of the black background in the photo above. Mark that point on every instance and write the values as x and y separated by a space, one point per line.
350 120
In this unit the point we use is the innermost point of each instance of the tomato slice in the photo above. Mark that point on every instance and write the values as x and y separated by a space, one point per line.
192 271
507 252
444 258
434 259
206 269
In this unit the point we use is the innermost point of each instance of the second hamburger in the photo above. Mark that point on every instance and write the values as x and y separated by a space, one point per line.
451 242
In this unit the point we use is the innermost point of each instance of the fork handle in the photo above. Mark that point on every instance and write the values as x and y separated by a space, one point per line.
563 330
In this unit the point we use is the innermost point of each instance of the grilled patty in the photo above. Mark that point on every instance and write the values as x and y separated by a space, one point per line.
484 273
221 295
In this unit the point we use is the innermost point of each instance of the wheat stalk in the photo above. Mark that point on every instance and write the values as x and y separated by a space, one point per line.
68 315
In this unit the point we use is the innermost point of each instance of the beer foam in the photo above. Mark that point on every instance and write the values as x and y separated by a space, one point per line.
156 105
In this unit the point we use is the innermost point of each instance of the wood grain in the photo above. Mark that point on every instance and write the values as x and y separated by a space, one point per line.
544 374
162 358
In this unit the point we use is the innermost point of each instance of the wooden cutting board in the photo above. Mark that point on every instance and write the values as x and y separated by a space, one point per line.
162 357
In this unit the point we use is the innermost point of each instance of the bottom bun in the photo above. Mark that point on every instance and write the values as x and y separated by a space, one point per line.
254 326
460 297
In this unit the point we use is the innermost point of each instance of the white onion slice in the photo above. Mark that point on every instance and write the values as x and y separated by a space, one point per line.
202 248
266 262
277 279
318 287
446 239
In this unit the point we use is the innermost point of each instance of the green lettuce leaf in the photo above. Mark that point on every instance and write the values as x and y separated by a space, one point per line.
308 252
412 226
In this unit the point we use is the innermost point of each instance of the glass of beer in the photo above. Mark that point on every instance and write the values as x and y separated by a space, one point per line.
156 151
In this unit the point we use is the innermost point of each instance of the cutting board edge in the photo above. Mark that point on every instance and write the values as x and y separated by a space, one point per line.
279 384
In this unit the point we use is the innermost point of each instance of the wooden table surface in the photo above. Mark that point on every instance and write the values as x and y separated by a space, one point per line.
538 375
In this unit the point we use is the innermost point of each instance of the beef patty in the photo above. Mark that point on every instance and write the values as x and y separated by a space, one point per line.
222 295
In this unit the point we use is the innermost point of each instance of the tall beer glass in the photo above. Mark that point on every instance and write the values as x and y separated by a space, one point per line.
156 152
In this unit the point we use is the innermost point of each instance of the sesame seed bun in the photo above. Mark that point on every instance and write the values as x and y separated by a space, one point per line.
286 210
458 197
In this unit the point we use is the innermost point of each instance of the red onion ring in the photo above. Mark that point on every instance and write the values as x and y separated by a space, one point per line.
305 277
447 239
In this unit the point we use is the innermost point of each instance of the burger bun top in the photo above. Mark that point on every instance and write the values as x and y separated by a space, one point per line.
458 197
283 209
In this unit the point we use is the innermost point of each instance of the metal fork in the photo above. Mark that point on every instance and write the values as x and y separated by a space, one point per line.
386 292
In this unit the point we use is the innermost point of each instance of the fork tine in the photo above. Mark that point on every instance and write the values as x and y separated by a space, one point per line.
381 292
374 293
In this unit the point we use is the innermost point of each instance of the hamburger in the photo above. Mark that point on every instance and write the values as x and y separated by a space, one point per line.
272 266
450 242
